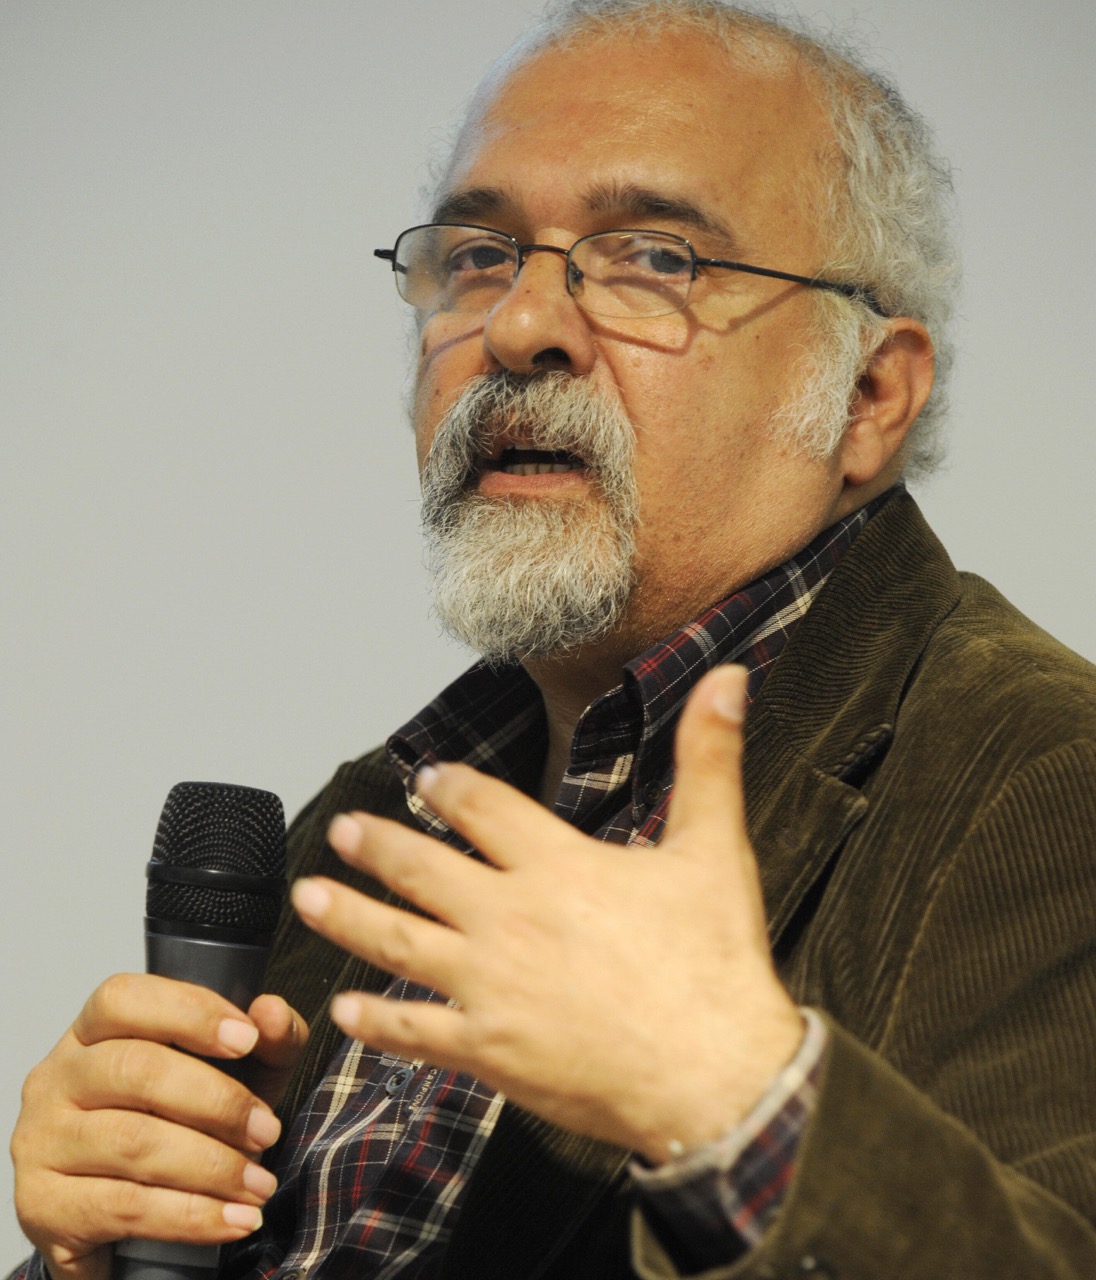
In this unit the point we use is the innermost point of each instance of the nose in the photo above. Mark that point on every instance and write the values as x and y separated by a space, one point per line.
537 326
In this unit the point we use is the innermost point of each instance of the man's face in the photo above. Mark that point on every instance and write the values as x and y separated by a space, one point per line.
670 135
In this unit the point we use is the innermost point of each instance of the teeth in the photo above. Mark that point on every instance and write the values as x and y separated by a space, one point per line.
537 468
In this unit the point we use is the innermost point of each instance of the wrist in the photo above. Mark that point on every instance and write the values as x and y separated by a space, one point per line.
711 1095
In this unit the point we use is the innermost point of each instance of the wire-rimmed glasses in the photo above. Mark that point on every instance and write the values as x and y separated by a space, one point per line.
451 267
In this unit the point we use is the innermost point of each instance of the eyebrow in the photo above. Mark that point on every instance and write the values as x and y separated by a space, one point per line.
628 199
648 204
475 202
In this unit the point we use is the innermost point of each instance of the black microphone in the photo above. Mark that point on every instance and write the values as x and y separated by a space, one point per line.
216 884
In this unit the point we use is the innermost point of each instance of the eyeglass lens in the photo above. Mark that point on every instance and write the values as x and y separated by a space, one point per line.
614 273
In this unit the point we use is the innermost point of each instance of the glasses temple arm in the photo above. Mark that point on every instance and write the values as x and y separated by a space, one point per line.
389 255
854 291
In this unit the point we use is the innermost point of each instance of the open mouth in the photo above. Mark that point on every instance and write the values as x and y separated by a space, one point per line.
534 462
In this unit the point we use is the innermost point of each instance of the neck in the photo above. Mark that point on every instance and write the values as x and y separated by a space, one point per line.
569 684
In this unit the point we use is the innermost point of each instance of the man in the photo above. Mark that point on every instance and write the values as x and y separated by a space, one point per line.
828 1012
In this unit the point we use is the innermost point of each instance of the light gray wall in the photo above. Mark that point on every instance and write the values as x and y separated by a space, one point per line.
210 563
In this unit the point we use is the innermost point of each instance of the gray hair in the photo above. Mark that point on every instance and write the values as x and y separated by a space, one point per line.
888 196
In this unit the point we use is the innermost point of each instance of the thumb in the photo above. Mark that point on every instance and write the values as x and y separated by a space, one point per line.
707 798
96 1265
283 1034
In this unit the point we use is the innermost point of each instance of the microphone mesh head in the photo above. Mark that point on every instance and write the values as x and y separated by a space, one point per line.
217 826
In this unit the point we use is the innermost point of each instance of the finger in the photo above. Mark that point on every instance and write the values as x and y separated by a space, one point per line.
283 1033
397 941
507 827
110 1209
165 1010
65 1264
134 1147
140 1075
442 881
707 797
408 1028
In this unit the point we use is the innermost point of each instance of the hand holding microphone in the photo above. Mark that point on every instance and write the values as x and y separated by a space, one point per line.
126 1131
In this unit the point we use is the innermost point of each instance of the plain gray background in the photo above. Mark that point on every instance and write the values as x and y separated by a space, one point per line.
210 555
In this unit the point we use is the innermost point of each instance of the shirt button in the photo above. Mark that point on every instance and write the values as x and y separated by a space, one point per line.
294 1273
397 1080
651 794
809 1265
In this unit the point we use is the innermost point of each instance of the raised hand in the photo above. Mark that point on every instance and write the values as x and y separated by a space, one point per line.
622 992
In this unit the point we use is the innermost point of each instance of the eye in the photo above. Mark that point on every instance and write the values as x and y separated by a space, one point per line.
640 255
666 261
479 255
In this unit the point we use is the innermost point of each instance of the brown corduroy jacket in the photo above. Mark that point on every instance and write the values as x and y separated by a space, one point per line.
920 774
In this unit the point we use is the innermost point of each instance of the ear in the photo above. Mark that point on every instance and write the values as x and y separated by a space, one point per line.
890 395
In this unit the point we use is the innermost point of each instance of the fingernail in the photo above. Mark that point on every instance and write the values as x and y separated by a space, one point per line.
259 1181
344 1010
243 1216
310 898
425 778
344 833
236 1036
730 698
263 1128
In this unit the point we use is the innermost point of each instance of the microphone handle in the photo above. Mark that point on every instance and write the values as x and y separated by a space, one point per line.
236 971
164 1260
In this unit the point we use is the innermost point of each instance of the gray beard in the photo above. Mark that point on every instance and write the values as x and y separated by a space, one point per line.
530 578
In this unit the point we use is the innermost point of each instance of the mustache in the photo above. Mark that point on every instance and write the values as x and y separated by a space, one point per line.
554 412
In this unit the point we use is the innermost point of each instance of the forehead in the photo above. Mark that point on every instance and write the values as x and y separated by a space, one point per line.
738 137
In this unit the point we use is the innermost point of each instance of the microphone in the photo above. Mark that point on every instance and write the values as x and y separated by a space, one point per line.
216 883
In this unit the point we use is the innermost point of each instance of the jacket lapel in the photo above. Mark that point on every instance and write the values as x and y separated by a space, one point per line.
827 712
822 723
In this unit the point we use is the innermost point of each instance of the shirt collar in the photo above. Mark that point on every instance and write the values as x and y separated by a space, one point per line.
493 717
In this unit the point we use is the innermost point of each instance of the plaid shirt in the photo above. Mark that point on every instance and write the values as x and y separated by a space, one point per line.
372 1171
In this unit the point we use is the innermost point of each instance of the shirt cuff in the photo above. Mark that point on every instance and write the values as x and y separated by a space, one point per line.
712 1204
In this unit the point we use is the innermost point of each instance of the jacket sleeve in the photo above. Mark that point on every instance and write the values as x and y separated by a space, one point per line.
964 1144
